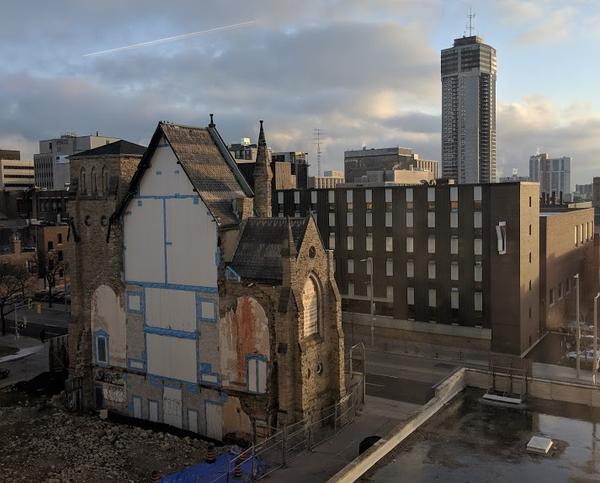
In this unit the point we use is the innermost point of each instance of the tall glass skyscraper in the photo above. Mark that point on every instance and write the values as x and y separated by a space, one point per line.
469 111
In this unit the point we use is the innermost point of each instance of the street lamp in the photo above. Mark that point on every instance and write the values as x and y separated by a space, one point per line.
369 261
578 336
595 360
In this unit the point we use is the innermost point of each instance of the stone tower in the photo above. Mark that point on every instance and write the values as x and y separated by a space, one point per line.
99 179
262 178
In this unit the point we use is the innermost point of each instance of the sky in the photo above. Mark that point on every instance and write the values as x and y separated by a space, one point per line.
365 72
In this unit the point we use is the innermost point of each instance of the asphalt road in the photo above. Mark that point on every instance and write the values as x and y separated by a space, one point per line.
403 377
54 321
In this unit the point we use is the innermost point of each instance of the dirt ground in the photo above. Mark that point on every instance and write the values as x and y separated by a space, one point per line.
40 442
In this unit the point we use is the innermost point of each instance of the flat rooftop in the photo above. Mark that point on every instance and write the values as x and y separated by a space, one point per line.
472 441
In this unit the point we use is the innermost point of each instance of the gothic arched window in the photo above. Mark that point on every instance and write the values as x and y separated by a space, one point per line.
82 182
311 304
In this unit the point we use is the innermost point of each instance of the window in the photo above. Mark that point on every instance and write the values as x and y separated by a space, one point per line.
454 219
530 229
50 246
431 270
82 181
560 290
501 237
454 245
94 182
369 243
349 196
432 298
369 219
477 219
388 219
296 197
529 257
575 235
350 243
350 288
102 347
431 219
349 219
530 202
389 267
409 195
478 301
104 180
280 197
368 196
350 265
430 194
332 241
310 301
60 255
454 271
477 193
454 193
410 295
369 290
410 268
567 284
331 219
369 265
454 298
431 244
478 246
313 197
410 244
409 219
60 238
530 318
389 244
389 293
331 196
478 272
581 234
388 195
530 284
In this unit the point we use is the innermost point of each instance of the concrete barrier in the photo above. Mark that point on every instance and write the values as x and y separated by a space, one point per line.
444 392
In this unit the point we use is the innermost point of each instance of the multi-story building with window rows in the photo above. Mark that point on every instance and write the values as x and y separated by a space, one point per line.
458 260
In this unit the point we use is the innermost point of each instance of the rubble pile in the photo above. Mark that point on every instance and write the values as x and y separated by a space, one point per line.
42 442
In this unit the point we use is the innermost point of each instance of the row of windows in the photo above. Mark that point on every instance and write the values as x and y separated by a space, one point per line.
409 195
583 233
431 269
557 293
431 294
410 244
83 187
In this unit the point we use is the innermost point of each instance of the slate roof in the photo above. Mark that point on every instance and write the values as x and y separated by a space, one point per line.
258 254
116 148
208 165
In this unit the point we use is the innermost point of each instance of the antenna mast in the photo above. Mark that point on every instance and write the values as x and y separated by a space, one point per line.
317 133
470 27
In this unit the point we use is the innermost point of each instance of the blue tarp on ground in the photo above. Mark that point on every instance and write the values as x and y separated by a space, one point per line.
207 472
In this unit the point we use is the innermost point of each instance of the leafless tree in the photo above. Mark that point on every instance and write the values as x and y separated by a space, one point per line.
52 269
15 281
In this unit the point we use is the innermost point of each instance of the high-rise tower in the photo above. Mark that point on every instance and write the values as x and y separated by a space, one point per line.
469 111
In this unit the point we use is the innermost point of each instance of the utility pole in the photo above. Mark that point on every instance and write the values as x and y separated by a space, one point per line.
369 261
578 336
595 346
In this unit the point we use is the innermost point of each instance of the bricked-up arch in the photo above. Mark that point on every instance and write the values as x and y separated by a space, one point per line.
82 181
104 180
312 307
94 182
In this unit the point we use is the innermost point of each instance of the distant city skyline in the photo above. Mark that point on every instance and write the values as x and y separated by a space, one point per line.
366 74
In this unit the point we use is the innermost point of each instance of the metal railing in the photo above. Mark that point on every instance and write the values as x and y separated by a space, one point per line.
262 459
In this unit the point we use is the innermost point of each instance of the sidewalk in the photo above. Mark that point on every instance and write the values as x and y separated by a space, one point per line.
30 360
378 416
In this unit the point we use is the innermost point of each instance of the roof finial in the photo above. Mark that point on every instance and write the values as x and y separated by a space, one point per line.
212 123
261 135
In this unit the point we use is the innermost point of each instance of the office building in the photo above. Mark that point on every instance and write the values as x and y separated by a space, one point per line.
584 192
329 180
468 72
449 259
10 154
553 174
358 162
298 166
52 162
16 174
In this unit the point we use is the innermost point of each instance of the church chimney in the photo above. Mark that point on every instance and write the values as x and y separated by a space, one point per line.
262 178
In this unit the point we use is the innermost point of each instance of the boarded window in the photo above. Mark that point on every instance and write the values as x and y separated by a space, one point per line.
257 375
310 301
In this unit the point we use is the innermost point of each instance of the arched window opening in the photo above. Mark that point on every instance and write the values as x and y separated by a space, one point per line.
104 180
82 182
94 182
310 301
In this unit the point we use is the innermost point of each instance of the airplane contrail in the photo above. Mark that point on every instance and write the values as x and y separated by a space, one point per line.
171 39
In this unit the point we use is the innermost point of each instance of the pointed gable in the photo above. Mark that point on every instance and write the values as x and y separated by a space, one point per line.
206 162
